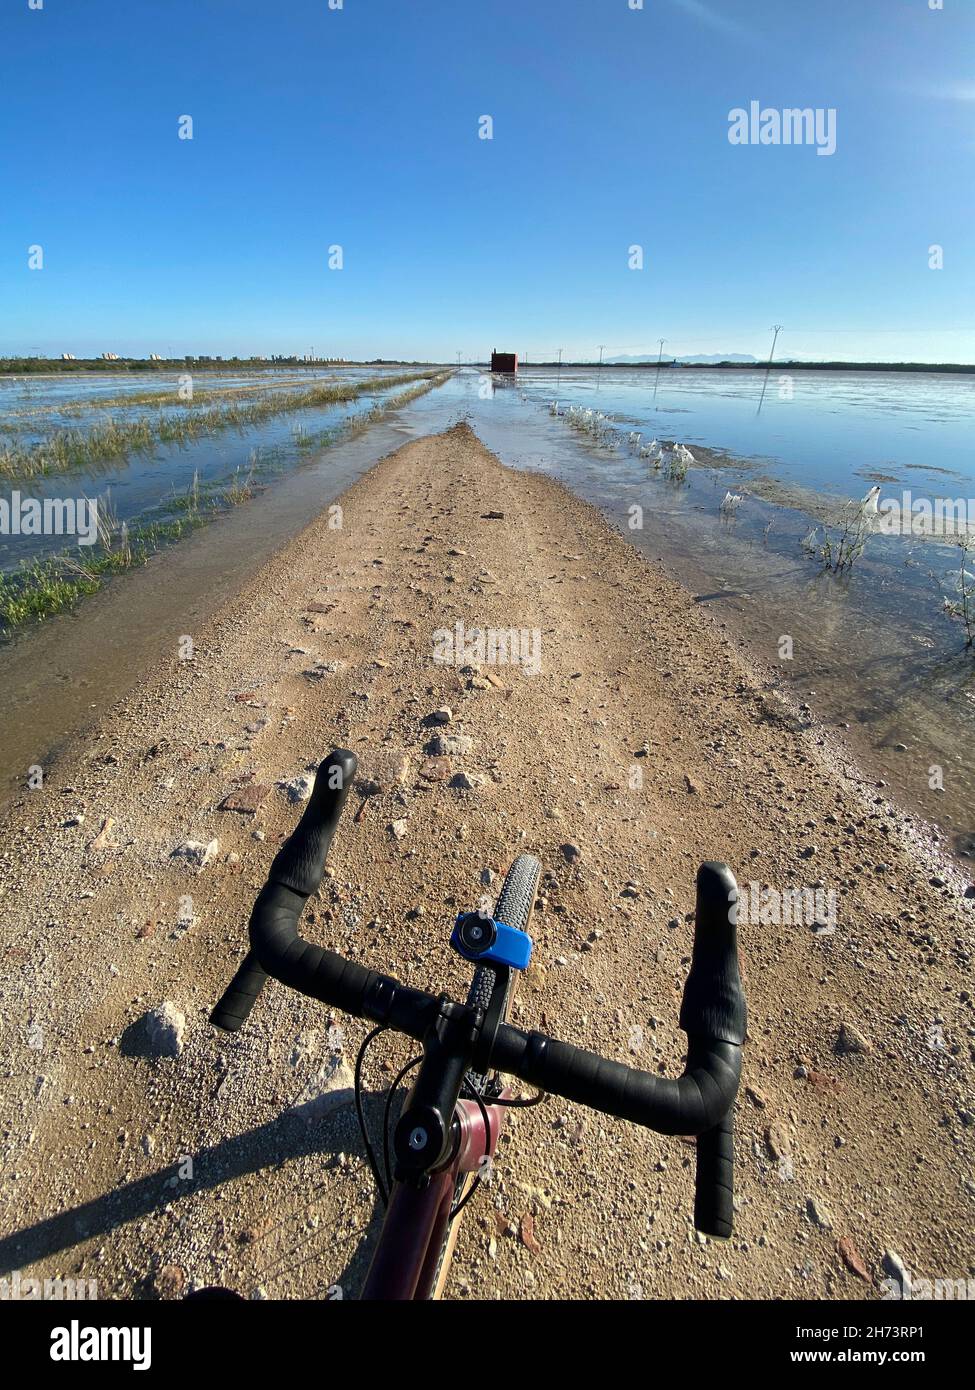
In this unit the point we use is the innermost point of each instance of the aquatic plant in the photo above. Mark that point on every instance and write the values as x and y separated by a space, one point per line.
963 608
68 449
845 537
51 585
675 466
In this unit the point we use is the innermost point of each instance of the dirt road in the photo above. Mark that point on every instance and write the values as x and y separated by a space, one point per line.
646 742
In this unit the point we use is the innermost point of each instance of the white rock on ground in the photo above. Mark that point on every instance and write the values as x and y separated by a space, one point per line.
328 1090
196 853
165 1028
298 789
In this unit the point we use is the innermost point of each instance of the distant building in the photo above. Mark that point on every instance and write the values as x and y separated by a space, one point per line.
110 357
154 357
67 357
503 361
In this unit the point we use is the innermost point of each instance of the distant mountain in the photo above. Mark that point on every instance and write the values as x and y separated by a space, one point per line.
700 358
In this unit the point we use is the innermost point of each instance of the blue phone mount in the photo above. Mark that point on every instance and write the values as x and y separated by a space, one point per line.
482 938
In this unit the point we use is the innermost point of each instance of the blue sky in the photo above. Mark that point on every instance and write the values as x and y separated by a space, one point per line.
359 127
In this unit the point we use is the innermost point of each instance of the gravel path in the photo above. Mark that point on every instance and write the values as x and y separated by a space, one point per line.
647 742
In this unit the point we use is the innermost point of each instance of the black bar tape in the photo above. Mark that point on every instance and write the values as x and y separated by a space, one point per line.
300 862
307 968
714 1004
714 1188
690 1105
240 995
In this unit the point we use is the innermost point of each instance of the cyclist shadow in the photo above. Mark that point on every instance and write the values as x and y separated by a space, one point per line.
288 1138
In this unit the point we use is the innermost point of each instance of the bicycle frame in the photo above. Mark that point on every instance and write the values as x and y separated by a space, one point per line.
406 1263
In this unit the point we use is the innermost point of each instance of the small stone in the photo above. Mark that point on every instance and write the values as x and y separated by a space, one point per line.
329 1090
298 789
165 1027
851 1040
468 781
103 840
571 852
435 770
852 1258
895 1267
196 853
777 1142
442 716
447 745
247 799
818 1214
398 829
527 1233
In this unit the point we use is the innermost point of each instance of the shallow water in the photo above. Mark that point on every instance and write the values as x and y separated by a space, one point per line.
152 485
872 653
62 389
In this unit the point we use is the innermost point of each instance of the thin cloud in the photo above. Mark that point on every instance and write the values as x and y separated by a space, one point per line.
712 19
935 91
954 91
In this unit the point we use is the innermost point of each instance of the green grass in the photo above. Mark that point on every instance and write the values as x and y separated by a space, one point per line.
67 450
41 588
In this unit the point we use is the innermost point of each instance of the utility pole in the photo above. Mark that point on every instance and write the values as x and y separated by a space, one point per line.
660 354
458 358
602 347
776 330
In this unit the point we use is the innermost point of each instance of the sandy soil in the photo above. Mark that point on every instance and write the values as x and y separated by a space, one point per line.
648 741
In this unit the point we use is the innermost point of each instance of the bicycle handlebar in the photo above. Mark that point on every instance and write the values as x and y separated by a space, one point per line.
713 1014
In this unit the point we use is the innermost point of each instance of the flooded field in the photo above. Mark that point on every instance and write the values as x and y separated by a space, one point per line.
102 473
871 650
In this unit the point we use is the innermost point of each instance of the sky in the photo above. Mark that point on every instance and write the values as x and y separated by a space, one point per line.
360 127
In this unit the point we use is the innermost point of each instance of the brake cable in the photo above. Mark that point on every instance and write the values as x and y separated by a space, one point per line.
360 1112
415 1061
